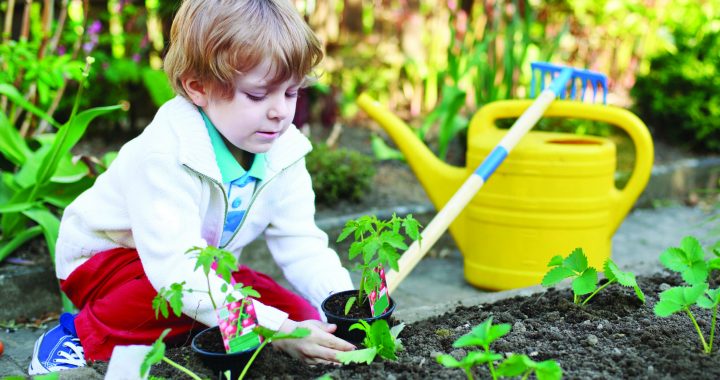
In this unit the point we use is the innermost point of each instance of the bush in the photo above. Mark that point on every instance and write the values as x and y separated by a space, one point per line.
339 174
679 97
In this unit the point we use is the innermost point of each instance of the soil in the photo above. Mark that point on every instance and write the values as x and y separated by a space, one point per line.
615 336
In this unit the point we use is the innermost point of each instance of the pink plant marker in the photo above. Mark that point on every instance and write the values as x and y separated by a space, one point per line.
380 297
236 321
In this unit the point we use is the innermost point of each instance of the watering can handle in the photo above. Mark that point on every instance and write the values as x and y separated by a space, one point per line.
622 199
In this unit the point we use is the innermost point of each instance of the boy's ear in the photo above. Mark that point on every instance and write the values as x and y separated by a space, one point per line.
196 91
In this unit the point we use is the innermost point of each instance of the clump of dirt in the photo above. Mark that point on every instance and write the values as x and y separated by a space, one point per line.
613 336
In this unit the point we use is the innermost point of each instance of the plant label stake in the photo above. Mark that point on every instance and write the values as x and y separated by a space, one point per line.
380 297
561 77
237 321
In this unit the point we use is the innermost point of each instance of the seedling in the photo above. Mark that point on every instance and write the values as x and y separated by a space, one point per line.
377 242
157 351
482 336
380 339
223 263
226 263
585 278
689 260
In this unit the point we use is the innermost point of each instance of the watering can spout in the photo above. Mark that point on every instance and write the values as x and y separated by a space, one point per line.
439 179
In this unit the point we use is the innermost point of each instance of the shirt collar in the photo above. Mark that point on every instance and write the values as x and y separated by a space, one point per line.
230 169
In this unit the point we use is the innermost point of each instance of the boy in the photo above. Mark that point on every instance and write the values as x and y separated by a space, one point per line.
219 165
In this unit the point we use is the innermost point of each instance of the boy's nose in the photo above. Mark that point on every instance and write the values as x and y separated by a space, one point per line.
279 109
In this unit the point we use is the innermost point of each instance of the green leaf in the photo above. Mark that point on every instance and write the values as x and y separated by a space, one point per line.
350 302
50 225
515 365
16 97
366 355
555 261
678 298
710 299
12 145
412 227
483 334
448 361
68 135
586 282
156 354
548 370
612 272
349 228
381 338
577 261
8 247
556 275
382 151
688 260
273 335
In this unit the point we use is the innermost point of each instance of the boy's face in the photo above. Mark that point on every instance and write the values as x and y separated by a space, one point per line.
258 113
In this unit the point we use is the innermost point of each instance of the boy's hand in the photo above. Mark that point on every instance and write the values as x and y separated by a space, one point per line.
320 347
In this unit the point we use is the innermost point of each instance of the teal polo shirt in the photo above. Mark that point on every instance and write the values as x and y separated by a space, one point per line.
239 184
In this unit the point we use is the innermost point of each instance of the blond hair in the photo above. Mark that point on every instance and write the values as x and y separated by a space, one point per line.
214 41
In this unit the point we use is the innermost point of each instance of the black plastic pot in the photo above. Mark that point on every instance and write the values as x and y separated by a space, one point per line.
220 362
343 322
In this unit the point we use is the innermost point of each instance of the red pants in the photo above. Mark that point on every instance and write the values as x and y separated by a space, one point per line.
115 301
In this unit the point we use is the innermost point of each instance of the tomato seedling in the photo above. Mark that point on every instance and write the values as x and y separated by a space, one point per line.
377 242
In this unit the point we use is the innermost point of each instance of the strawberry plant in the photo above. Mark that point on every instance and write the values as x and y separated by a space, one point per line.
689 261
483 335
585 278
377 242
380 340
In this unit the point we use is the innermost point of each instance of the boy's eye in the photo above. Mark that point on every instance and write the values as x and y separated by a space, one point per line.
255 98
292 94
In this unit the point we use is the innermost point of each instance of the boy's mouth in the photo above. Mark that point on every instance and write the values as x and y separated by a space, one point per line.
268 133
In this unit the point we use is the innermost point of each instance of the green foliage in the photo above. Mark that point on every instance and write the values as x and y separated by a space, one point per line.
226 263
379 339
678 97
488 50
339 174
39 175
690 262
376 242
585 278
483 335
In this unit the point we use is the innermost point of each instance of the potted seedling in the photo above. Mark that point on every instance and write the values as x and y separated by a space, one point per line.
234 343
376 243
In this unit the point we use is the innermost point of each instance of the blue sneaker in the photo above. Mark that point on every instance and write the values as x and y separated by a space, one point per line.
57 349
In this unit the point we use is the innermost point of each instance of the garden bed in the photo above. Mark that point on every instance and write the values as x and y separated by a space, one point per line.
614 336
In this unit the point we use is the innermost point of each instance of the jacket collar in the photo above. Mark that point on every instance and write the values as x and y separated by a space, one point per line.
195 149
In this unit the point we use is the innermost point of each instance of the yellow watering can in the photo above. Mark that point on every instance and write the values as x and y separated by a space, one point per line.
553 193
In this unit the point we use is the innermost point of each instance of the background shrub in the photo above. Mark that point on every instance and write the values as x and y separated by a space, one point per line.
339 174
679 97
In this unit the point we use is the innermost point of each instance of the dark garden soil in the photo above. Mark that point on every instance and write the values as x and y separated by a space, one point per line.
614 336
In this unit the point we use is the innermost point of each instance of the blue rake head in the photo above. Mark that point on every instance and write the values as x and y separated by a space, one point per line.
569 80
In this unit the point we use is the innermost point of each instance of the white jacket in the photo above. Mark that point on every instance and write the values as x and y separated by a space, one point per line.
163 195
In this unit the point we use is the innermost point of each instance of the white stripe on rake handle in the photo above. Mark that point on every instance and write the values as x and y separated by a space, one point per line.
467 191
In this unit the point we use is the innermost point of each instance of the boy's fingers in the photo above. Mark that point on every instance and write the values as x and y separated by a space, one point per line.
338 344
